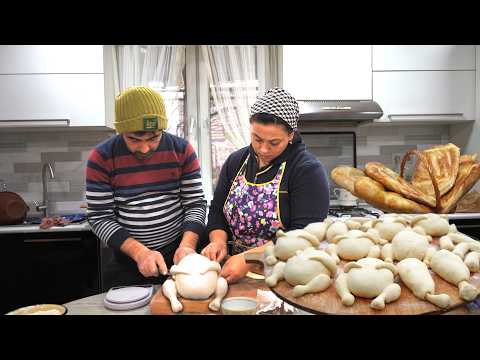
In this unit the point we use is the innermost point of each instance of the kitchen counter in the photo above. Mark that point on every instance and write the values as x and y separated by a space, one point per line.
29 229
93 305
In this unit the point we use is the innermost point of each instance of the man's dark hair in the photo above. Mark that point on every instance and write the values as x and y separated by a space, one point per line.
264 118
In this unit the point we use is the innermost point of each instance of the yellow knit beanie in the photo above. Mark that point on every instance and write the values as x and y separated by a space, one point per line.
139 108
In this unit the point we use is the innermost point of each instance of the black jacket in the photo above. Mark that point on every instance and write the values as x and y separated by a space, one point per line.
304 190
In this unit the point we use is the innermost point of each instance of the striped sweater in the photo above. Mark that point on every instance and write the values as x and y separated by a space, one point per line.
153 200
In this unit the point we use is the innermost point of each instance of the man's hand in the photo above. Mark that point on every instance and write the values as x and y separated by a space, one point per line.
235 268
215 251
181 252
149 262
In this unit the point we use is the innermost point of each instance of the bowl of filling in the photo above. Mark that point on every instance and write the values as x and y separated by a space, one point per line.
239 306
40 309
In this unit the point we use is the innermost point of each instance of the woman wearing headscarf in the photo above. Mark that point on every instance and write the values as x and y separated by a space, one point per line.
274 183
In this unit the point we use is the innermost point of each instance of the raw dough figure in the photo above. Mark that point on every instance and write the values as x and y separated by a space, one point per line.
309 271
408 244
451 268
433 224
196 278
288 243
472 260
368 278
319 229
416 276
353 245
389 226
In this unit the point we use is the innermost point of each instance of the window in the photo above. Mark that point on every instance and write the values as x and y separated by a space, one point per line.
175 108
221 144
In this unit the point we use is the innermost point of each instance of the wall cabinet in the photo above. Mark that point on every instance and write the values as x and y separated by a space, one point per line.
425 94
328 72
423 57
425 83
39 97
51 59
52 82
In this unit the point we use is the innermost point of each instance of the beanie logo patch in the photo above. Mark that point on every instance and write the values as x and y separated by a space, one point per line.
150 123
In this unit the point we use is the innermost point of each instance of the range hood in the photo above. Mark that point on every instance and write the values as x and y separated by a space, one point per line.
338 111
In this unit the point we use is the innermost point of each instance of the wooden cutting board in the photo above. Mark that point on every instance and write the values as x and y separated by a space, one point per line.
160 305
328 302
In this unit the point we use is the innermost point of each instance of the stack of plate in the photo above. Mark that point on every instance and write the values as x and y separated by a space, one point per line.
128 297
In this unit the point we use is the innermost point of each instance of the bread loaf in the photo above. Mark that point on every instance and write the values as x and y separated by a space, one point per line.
469 203
468 175
467 158
444 160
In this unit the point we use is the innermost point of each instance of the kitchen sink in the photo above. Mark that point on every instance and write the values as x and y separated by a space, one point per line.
32 221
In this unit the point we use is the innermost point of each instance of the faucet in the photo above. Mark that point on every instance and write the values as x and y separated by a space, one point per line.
44 206
3 186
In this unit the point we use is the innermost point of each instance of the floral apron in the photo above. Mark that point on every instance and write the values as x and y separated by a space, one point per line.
252 210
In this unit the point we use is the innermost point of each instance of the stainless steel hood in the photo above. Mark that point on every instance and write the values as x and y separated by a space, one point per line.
338 111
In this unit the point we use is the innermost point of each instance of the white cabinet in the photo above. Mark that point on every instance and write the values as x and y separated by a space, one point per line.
423 57
419 95
51 59
328 72
425 83
52 82
33 97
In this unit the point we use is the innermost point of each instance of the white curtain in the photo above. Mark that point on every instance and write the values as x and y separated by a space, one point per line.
233 78
159 67
237 74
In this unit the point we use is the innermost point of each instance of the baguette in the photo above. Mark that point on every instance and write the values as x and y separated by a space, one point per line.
345 177
375 194
394 182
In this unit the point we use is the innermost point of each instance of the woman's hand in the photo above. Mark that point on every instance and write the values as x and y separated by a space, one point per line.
235 268
215 251
181 252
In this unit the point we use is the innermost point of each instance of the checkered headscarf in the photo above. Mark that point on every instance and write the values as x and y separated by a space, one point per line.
278 102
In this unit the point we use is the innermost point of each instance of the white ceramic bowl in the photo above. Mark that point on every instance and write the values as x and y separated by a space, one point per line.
239 306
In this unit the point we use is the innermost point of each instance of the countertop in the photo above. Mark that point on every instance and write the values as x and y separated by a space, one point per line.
25 229
93 305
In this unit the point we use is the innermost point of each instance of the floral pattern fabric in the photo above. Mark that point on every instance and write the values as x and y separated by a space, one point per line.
252 212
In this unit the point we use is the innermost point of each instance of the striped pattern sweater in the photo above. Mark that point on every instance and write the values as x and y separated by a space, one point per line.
153 200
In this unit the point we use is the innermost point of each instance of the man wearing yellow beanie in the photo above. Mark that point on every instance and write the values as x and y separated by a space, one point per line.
144 192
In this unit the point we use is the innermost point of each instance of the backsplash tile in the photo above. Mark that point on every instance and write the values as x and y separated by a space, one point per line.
6 147
27 167
61 156
23 153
